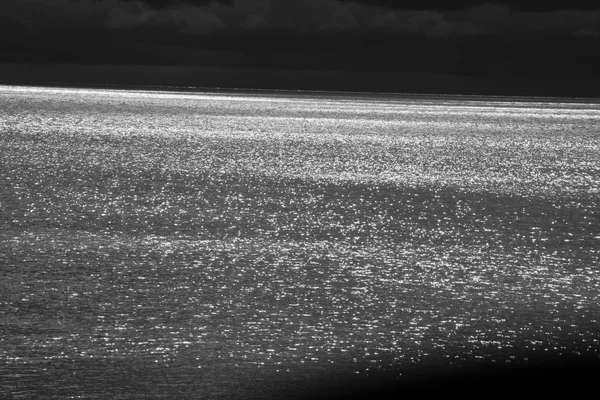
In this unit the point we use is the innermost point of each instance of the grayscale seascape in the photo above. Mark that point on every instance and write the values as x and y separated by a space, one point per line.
164 245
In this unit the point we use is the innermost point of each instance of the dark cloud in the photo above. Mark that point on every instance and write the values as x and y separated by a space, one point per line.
163 4
323 17
470 39
447 5
434 5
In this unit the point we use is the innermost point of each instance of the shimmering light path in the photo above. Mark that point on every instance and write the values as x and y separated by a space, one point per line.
239 245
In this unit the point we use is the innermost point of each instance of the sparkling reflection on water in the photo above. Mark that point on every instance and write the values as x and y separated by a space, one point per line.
217 244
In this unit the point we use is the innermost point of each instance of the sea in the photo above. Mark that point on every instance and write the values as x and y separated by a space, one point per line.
162 243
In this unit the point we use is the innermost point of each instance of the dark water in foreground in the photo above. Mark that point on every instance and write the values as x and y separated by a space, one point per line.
170 245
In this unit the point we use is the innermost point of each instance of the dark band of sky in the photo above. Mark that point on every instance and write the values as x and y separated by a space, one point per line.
504 41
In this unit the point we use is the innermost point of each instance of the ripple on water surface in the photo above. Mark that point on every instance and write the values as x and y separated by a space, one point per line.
189 243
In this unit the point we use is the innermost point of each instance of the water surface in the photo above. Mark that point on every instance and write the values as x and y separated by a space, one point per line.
244 245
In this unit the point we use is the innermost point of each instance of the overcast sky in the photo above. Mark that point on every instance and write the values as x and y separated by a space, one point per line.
468 46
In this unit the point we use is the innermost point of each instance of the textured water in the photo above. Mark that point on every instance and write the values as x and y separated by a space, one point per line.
214 245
